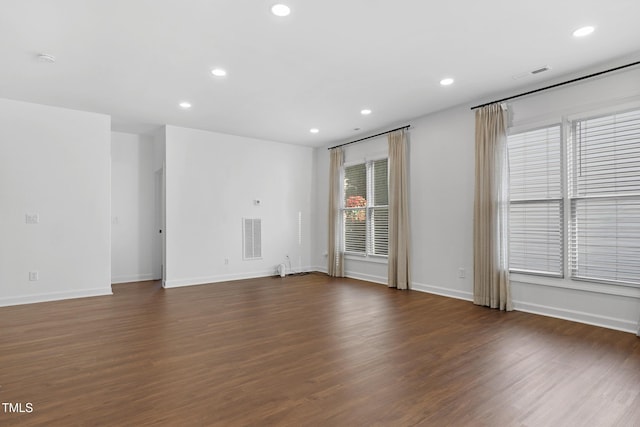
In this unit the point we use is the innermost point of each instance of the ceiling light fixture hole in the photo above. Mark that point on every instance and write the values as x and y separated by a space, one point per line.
583 31
218 72
280 10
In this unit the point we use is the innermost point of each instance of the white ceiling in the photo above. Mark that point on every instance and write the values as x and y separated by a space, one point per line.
137 59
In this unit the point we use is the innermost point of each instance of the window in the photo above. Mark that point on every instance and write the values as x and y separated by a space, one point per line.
601 169
604 192
536 202
366 208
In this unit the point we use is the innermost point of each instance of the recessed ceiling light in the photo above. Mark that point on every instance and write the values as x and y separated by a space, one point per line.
280 10
365 112
314 130
584 31
185 105
218 72
446 82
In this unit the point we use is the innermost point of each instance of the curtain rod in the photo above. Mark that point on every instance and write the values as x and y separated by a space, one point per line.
369 137
558 84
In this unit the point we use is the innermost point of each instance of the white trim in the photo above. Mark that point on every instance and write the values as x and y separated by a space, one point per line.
573 112
133 278
375 259
205 280
578 285
606 108
445 292
319 269
577 316
54 296
366 277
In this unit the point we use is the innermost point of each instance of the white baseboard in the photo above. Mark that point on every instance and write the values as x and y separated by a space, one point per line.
193 281
366 277
133 278
354 275
324 269
577 316
54 296
445 292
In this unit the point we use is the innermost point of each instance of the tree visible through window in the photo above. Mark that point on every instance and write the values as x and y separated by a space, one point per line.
366 210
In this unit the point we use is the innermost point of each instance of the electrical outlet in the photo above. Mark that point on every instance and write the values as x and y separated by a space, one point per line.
33 276
33 218
226 261
461 273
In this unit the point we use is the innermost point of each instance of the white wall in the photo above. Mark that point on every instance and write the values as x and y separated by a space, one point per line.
55 163
441 209
212 181
133 218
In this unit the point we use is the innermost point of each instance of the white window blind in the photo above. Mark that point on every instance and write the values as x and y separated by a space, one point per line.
366 210
355 212
379 216
536 202
604 183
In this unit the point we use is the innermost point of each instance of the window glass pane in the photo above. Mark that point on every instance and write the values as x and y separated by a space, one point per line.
535 165
605 191
380 184
606 155
355 186
380 231
535 233
355 230
605 239
536 208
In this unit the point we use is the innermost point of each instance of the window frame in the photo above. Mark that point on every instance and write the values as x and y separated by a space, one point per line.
572 199
566 117
562 199
368 253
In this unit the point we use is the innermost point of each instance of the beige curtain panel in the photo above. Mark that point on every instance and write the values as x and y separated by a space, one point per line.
335 266
399 245
491 208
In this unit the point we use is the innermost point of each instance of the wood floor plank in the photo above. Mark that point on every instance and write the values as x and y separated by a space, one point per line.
308 350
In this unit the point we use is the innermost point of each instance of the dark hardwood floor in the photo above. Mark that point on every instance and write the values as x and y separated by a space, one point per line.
308 351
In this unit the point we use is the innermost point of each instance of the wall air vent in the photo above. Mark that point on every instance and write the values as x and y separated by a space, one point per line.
252 238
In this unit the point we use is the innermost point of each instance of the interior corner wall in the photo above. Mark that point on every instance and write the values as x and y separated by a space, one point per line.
54 163
133 216
212 182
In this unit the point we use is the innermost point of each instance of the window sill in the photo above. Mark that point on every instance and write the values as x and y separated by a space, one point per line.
375 259
580 285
